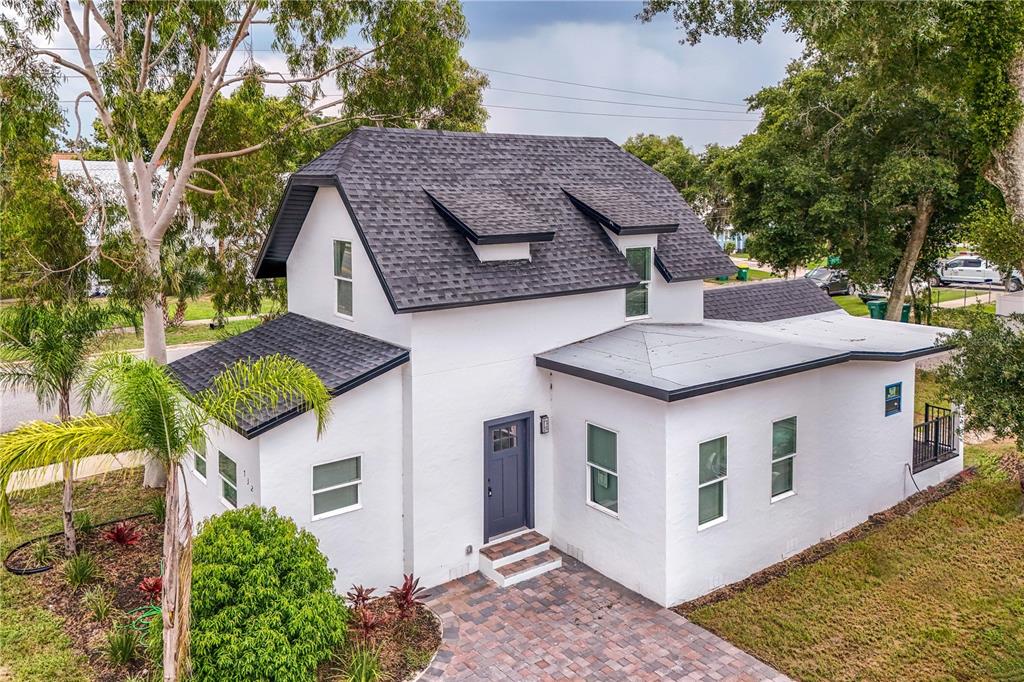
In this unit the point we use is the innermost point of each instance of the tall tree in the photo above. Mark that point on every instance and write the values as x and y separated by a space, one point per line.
959 57
166 67
44 349
153 412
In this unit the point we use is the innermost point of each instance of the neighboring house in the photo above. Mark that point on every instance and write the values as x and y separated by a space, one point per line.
517 336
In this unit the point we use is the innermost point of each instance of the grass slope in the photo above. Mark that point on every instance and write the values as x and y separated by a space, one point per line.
33 645
934 596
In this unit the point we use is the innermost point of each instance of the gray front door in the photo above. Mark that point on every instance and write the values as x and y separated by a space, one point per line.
507 481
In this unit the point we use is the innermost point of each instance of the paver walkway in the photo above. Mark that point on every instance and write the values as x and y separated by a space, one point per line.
574 624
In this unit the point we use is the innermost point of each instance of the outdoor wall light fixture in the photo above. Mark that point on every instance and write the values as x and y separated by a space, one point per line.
545 423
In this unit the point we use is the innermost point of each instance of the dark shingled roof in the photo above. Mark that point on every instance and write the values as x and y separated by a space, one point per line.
767 301
424 262
622 209
342 359
492 216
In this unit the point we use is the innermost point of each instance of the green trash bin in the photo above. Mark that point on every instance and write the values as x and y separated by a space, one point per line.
743 274
877 309
905 315
722 278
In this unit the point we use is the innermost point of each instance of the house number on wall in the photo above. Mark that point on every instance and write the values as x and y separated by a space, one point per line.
893 399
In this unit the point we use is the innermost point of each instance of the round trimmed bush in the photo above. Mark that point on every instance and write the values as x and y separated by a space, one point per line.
263 602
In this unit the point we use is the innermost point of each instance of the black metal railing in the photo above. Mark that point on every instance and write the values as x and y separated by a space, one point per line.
935 440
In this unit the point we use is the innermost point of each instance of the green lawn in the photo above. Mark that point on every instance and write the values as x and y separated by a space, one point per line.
201 308
943 295
752 275
33 645
189 334
927 391
852 305
938 595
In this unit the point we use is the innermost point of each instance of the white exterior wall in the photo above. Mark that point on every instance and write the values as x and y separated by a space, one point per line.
851 462
630 546
205 496
311 288
364 545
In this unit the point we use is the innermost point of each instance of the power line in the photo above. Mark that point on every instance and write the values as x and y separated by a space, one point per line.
601 113
611 101
602 87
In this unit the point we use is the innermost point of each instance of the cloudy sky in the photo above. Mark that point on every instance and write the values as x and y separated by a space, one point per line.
586 43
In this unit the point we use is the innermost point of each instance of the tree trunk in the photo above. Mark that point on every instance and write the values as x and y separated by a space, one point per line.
155 341
905 271
179 312
1007 169
177 577
67 503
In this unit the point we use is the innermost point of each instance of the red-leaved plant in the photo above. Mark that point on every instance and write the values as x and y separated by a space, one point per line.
359 596
152 586
368 622
407 596
124 534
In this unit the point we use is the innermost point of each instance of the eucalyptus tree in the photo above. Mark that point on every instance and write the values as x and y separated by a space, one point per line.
962 59
163 68
44 348
154 413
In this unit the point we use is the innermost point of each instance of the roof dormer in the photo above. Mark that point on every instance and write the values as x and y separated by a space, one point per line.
621 210
497 225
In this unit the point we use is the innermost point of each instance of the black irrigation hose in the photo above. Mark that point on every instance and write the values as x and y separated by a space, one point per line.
40 569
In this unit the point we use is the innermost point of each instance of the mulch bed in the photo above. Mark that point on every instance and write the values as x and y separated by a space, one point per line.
121 569
405 647
821 550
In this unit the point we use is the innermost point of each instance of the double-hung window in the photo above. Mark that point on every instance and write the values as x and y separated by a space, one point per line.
228 479
343 276
199 464
336 486
637 296
783 455
713 470
602 468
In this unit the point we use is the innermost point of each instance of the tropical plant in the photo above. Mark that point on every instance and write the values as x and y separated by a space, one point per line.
123 533
153 587
154 413
122 645
408 596
82 521
182 275
99 602
262 599
363 664
359 596
41 552
80 569
158 508
44 348
369 623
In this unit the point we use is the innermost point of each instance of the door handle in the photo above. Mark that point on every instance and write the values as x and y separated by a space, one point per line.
490 493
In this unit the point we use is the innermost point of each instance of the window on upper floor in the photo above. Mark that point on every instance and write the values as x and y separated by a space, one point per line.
336 486
199 464
343 276
228 479
637 296
783 456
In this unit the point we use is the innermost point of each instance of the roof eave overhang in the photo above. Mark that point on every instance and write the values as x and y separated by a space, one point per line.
672 395
621 230
669 277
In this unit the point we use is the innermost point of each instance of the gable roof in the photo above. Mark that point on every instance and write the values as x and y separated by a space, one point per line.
766 301
423 259
342 359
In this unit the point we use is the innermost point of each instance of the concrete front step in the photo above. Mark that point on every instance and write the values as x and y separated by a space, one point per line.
518 558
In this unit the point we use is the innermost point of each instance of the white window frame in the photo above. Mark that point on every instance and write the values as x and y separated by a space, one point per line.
645 282
589 465
341 278
223 481
721 479
358 483
200 454
792 491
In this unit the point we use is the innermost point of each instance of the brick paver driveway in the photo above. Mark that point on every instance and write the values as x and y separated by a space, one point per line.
572 624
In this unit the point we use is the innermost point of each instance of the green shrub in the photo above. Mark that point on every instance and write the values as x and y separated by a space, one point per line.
99 602
82 521
158 508
155 641
122 645
363 665
42 552
729 248
263 604
80 569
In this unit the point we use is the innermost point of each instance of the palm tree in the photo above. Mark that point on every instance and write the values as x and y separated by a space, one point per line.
44 349
156 414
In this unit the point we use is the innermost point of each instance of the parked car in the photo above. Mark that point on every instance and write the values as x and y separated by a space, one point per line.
833 282
974 270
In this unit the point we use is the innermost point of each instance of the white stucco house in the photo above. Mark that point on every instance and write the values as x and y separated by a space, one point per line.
523 356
